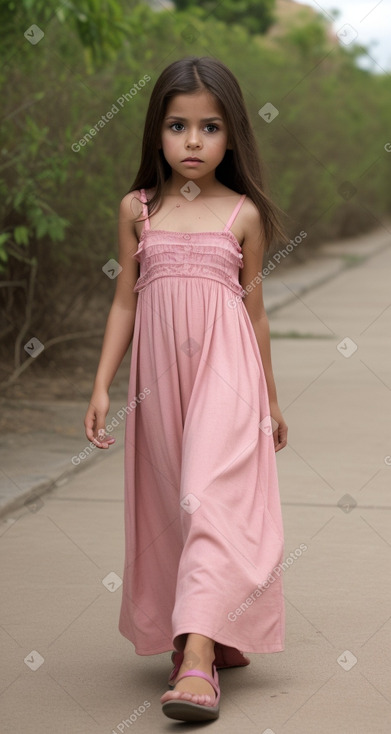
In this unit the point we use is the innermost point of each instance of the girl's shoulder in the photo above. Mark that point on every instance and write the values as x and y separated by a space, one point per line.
134 195
248 212
131 205
248 215
250 209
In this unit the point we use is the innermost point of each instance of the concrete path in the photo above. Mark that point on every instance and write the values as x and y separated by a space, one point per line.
66 668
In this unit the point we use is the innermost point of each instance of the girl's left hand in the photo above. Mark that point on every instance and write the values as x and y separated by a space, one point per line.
281 432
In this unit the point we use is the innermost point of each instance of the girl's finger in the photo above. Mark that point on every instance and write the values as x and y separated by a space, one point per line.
280 437
282 443
103 441
89 426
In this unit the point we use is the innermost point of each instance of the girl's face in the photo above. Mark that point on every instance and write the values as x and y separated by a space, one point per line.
193 127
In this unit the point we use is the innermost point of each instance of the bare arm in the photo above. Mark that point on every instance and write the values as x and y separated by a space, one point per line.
253 249
120 323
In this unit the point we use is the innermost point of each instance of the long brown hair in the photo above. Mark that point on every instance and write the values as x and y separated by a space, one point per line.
240 170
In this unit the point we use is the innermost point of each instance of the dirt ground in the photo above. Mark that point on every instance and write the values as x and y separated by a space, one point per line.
62 375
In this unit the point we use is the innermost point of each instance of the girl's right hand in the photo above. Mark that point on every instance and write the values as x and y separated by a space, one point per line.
94 421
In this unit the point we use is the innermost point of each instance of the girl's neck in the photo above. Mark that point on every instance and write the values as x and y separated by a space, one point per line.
209 185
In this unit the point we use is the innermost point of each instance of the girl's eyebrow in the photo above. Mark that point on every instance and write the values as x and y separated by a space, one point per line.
184 119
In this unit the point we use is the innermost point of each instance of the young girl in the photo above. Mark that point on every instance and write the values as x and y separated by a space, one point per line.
203 525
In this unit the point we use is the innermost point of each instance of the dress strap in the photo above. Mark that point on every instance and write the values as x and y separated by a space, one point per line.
234 213
147 224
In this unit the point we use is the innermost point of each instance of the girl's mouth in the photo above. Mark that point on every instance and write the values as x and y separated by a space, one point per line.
192 161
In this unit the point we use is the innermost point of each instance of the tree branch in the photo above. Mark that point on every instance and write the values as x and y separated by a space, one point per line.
56 340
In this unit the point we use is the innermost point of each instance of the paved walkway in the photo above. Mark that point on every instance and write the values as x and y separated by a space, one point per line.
65 666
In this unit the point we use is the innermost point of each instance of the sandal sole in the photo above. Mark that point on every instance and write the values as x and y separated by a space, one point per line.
187 711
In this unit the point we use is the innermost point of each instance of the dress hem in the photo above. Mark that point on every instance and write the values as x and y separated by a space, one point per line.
242 646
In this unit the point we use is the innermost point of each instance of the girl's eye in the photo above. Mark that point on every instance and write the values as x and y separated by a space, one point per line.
172 126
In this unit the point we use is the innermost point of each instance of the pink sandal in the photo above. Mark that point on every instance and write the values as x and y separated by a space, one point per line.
231 658
176 704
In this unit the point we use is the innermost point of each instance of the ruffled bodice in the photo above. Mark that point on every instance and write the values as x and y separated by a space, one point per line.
213 255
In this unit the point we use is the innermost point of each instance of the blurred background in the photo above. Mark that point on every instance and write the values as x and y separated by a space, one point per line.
65 66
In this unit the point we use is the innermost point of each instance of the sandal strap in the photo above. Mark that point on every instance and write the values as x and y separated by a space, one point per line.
200 674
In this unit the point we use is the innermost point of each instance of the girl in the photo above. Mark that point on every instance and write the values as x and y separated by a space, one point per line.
203 525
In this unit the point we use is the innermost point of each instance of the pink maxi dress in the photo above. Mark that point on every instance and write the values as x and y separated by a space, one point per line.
203 522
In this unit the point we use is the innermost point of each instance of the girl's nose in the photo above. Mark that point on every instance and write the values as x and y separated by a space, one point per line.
193 138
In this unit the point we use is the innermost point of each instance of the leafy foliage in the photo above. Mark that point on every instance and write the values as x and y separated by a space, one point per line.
256 16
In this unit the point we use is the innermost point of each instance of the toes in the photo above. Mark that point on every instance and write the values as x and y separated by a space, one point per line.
169 696
202 699
205 700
